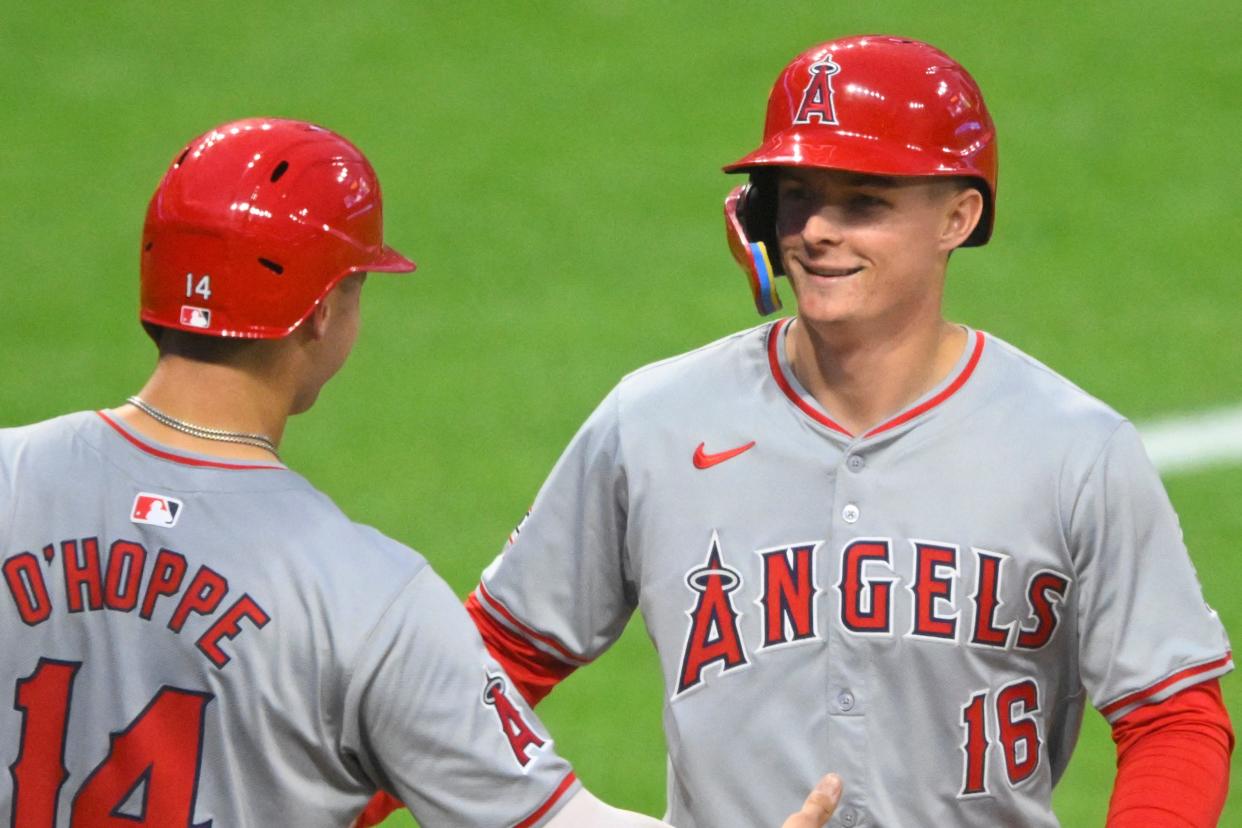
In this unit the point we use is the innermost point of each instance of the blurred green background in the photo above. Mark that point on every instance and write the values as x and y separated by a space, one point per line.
554 167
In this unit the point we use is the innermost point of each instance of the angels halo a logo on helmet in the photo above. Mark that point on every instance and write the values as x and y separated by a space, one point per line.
817 97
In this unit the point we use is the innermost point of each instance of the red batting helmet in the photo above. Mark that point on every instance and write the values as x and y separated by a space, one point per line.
254 223
869 104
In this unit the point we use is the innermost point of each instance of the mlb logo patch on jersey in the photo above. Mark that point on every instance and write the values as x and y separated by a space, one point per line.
195 317
155 509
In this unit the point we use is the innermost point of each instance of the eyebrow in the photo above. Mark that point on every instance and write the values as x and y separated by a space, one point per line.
852 179
864 180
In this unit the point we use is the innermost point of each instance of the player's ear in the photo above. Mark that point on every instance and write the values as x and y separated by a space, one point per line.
963 210
316 324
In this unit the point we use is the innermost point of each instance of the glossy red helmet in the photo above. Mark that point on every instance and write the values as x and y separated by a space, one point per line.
254 223
870 104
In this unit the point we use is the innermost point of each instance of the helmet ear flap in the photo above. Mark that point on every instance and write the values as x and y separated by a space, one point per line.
757 212
750 224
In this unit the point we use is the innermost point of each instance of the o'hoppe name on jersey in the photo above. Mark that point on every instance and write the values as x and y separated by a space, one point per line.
85 582
866 584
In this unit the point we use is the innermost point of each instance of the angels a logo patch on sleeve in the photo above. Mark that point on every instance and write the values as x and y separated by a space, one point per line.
523 740
155 509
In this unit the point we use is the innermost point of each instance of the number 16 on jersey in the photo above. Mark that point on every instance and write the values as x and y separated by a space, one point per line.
1017 733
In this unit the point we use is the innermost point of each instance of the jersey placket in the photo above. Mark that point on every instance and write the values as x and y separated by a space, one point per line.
863 584
846 688
857 564
848 691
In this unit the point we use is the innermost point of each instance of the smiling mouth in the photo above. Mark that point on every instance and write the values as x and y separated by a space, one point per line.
831 272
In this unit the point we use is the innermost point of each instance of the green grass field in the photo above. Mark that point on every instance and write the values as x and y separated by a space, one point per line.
554 167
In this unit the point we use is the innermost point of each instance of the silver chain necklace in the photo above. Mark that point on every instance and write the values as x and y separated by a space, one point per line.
218 434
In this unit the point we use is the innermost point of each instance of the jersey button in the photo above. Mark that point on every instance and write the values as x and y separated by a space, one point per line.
850 513
848 817
856 463
846 701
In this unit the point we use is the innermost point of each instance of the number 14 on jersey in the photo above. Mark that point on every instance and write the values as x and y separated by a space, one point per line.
147 780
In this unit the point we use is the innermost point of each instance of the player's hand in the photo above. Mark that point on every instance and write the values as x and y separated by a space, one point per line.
818 807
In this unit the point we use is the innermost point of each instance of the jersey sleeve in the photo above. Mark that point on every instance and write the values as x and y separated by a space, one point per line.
431 718
562 582
1145 630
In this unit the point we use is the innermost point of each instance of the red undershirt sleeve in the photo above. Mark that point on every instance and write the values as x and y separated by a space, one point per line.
1173 762
533 672
377 810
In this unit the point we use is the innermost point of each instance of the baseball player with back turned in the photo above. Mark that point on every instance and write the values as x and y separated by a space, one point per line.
864 537
192 634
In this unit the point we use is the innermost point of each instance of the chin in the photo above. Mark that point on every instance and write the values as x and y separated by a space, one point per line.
818 312
830 301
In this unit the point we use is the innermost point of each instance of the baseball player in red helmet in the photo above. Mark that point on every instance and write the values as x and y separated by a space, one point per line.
863 536
192 634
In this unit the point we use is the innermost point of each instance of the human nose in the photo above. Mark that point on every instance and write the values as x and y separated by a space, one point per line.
823 227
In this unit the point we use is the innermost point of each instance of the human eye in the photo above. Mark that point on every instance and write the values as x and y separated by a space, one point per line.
794 191
865 203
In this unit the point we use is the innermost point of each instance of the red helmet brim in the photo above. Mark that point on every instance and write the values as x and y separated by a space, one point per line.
390 261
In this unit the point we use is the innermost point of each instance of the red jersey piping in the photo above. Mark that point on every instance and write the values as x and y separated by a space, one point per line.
949 391
532 634
178 458
1181 675
905 417
774 362
568 781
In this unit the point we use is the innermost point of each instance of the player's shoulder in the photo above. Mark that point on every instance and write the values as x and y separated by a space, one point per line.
711 369
34 444
300 527
41 434
1032 393
726 350
331 531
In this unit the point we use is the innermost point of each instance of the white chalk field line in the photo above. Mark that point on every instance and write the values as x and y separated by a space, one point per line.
1195 441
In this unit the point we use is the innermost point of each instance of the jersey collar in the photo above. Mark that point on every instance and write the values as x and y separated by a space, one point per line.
183 458
783 374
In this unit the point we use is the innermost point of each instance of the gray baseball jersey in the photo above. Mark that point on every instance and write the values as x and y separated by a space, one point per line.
190 642
924 608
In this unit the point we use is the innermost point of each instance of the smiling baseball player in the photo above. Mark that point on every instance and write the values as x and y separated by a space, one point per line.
192 634
905 529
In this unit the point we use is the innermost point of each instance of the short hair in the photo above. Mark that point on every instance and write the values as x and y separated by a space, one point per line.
216 350
956 183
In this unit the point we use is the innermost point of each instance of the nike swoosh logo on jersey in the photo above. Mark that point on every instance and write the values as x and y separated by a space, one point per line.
703 460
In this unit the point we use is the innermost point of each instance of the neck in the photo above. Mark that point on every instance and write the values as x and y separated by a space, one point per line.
212 396
862 381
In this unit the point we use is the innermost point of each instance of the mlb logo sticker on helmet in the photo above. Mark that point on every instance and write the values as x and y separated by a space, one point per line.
195 317
155 509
